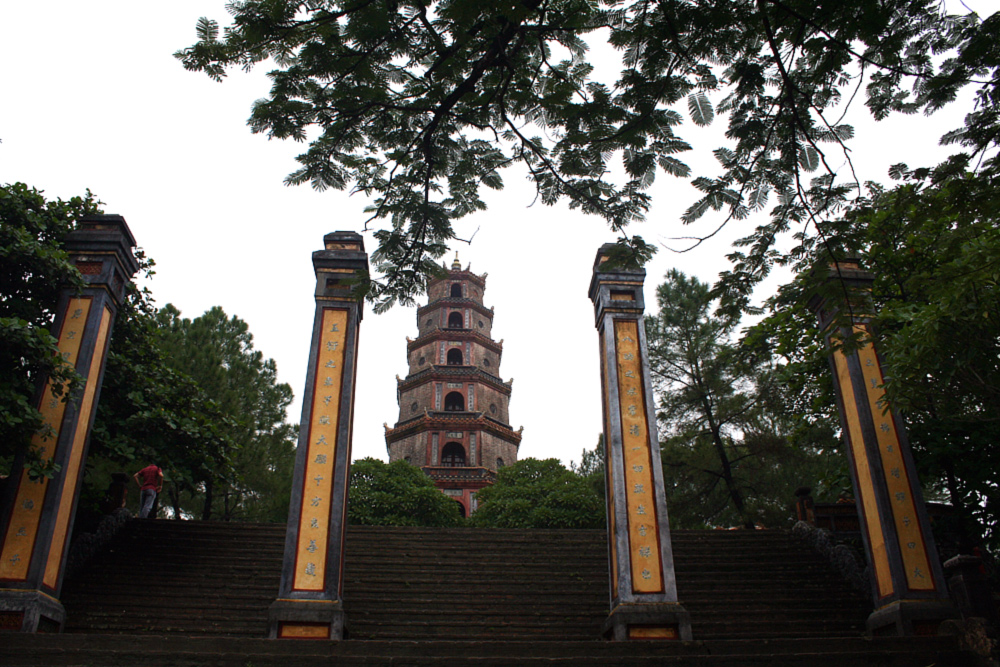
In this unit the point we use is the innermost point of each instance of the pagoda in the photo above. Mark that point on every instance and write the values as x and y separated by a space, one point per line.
454 422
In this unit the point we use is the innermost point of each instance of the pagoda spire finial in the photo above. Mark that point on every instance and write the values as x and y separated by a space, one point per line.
456 265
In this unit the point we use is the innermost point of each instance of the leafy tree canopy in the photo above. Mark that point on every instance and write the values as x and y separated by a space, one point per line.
151 409
151 413
397 494
217 352
419 105
731 452
539 494
33 269
591 468
934 251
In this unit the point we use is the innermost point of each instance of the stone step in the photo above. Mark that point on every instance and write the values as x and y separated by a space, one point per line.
418 583
496 556
147 651
388 594
274 547
221 531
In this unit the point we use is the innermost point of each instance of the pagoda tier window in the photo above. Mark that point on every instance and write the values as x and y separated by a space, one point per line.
453 455
461 509
455 321
455 357
454 402
456 290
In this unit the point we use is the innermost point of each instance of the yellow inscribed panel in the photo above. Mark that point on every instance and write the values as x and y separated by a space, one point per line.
883 574
653 632
19 541
304 631
904 509
317 490
644 544
72 471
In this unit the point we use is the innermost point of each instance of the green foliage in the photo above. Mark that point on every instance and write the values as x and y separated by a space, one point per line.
33 269
591 468
539 494
150 412
419 105
257 447
730 451
934 249
397 494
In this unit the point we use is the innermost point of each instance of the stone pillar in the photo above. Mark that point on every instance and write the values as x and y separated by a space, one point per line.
309 604
643 588
36 530
908 585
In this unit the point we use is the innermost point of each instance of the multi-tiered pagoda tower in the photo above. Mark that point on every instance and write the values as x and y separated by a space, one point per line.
453 406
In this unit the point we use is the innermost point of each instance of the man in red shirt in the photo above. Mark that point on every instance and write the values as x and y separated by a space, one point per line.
150 481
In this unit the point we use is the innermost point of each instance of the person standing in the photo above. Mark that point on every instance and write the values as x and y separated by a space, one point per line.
150 481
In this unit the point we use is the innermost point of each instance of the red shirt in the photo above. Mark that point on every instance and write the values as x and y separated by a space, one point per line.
150 476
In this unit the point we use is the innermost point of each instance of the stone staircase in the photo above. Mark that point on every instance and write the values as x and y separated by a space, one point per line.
195 593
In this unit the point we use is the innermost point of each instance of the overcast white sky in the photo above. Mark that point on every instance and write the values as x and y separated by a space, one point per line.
92 98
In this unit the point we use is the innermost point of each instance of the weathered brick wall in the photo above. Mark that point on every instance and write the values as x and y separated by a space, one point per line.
428 352
441 289
421 395
482 324
494 448
414 446
429 322
486 359
489 397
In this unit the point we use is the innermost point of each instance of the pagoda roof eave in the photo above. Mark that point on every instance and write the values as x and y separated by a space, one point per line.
459 275
455 301
453 334
451 373
432 421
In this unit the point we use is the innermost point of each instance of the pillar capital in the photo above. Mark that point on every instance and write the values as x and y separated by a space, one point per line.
843 284
101 248
339 267
615 289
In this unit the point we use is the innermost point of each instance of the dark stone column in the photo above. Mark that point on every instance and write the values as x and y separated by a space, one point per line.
309 604
908 585
36 530
643 589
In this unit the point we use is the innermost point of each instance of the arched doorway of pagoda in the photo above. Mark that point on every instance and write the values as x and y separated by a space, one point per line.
455 321
455 357
456 290
454 402
453 455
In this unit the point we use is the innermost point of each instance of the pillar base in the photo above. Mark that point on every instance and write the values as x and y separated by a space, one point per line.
658 621
305 619
30 611
907 618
